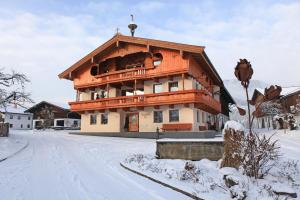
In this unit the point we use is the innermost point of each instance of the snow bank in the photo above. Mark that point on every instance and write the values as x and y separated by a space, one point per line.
206 180
234 125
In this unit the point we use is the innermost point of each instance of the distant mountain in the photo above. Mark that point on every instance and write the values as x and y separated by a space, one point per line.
237 91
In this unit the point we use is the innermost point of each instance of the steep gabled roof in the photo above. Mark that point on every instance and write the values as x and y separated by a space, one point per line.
256 92
134 40
45 102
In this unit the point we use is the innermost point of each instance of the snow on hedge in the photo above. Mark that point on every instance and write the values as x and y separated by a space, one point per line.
234 125
206 180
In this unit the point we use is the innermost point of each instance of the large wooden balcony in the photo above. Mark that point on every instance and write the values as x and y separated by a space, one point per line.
129 74
198 97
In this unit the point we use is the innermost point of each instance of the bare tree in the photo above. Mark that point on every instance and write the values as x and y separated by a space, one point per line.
12 89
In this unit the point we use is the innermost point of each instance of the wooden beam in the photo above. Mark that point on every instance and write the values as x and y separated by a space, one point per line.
140 108
171 106
186 105
182 77
156 107
112 110
181 53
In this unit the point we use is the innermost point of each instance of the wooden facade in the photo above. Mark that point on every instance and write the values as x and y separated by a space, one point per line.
120 76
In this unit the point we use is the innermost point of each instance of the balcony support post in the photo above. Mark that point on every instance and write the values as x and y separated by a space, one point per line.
134 87
182 76
107 90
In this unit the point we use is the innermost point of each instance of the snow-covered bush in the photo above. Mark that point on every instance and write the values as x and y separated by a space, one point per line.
254 154
286 120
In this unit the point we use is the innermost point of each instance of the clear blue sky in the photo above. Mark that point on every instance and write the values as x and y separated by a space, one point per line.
42 38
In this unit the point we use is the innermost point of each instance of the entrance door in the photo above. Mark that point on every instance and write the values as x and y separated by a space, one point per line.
133 122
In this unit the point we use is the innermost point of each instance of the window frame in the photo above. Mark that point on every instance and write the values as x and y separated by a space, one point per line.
172 82
160 120
93 121
155 84
171 119
102 120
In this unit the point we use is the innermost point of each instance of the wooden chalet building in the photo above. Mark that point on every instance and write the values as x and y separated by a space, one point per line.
132 84
288 99
55 115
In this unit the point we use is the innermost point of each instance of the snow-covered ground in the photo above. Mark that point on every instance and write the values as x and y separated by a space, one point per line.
56 165
205 178
11 145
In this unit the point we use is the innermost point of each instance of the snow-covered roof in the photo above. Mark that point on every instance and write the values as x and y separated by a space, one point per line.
289 90
261 90
13 109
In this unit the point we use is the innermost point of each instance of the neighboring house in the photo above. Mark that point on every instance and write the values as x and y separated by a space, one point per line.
57 116
288 99
17 118
132 84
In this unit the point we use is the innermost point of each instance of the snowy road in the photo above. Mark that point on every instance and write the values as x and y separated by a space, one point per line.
56 165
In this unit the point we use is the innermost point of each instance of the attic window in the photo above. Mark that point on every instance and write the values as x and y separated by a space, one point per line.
94 70
157 59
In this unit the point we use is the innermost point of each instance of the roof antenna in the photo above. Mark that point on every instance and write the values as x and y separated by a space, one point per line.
132 26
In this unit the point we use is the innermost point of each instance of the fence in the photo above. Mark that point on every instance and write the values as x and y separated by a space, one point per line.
4 129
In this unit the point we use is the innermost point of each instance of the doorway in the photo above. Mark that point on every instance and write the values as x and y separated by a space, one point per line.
133 122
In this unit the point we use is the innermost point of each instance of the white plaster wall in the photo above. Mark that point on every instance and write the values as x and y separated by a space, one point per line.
18 122
113 124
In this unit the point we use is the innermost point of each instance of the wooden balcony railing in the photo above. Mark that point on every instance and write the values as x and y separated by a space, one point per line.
129 74
199 98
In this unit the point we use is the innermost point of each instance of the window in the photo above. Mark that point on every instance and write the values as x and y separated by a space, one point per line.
174 115
75 123
11 117
157 88
21 125
94 70
11 125
28 125
93 119
19 117
157 59
157 117
173 86
29 117
104 118
198 116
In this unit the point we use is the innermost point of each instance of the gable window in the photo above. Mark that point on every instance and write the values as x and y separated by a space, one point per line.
104 118
173 86
157 59
157 116
94 70
173 115
157 88
93 119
